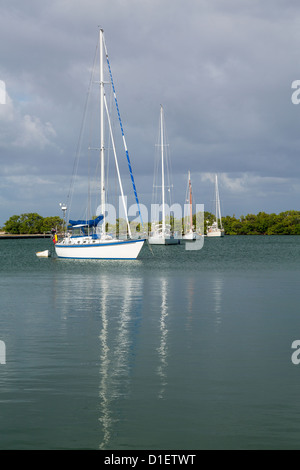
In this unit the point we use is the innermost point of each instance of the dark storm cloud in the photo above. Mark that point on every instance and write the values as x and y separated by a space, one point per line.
222 69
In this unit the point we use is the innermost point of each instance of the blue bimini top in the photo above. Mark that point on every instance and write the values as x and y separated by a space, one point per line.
86 223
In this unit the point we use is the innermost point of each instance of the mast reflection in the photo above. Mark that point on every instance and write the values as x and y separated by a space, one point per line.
105 418
217 290
163 347
120 320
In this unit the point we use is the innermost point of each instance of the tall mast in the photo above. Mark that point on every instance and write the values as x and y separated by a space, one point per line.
219 206
162 171
191 206
102 129
216 196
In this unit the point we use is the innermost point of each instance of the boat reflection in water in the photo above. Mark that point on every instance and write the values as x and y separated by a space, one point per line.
120 333
138 335
217 292
121 318
138 330
163 346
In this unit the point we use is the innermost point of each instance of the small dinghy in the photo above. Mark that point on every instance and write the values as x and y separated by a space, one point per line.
43 254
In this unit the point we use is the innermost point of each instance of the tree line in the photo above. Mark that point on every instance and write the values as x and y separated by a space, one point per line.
285 223
32 223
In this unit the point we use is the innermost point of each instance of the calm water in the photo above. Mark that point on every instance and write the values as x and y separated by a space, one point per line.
177 350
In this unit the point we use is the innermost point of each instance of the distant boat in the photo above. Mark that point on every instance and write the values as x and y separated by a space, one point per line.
216 229
190 234
84 239
161 232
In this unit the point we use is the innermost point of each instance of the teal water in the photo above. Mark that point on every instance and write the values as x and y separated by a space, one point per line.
177 350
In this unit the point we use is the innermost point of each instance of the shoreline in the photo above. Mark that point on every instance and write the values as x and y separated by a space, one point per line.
4 236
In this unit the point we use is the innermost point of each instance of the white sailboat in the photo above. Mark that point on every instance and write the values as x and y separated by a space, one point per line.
216 229
84 240
161 232
190 234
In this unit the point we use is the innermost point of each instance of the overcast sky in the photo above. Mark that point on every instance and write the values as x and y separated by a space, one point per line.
223 70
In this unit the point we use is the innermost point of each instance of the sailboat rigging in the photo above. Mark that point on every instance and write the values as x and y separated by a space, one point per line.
88 239
216 229
161 233
190 234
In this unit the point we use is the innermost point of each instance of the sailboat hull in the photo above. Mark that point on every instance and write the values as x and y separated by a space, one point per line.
216 233
113 249
163 241
191 236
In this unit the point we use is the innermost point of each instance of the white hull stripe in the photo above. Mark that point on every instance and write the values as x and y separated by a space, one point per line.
95 245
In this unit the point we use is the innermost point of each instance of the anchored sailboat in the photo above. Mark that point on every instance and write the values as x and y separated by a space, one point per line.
87 239
161 232
190 234
216 230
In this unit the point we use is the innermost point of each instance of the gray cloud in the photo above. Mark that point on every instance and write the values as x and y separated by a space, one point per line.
222 70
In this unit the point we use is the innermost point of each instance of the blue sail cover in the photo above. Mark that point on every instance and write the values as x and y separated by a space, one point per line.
87 223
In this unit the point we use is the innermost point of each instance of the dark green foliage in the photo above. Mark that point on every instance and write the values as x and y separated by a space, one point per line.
32 223
285 223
